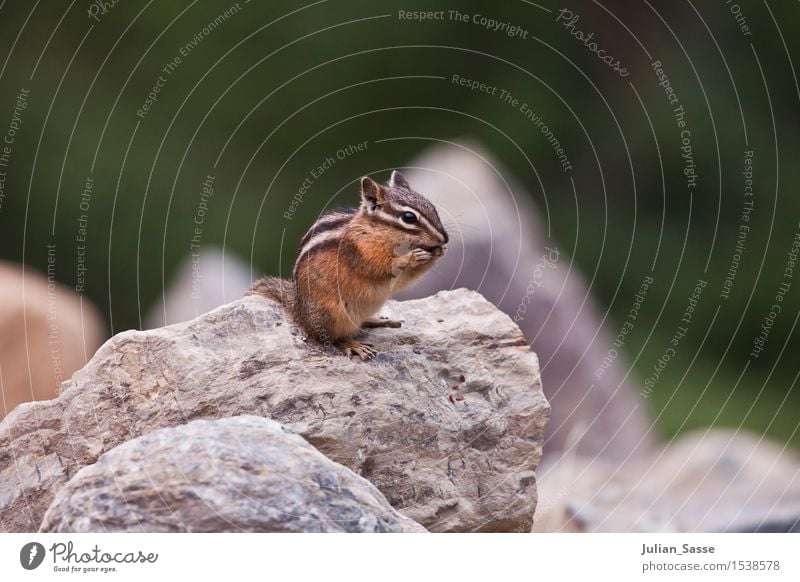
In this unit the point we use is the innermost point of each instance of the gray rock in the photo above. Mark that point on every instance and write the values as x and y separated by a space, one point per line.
204 280
501 247
706 481
241 474
450 464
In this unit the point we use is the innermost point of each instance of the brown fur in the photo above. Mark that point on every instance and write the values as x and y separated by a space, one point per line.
341 284
275 288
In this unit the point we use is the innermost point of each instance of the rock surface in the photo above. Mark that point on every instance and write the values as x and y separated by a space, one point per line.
500 246
241 474
453 460
715 481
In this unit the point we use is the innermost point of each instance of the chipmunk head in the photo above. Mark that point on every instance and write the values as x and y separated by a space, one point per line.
408 212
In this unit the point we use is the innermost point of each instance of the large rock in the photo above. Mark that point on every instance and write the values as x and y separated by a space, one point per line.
241 474
204 280
707 481
47 332
448 463
501 246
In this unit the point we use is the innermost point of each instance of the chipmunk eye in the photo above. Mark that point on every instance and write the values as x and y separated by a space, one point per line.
409 217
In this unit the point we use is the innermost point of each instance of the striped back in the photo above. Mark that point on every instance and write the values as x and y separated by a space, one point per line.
394 205
324 233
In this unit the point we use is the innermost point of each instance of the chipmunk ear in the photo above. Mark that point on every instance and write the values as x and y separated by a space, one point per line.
399 179
371 192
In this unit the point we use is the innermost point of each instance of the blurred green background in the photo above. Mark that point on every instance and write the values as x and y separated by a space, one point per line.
276 87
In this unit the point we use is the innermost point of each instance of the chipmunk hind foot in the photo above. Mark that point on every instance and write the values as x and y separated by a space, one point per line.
353 347
381 322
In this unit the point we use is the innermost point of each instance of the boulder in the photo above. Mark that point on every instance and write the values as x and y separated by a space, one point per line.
705 481
47 332
447 421
240 474
205 279
501 246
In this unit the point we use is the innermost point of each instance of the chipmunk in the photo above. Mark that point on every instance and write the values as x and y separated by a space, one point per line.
351 261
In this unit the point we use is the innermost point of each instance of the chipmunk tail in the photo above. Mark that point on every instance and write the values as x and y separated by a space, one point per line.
275 288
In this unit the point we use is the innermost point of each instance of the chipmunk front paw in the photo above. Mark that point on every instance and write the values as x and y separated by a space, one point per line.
412 258
419 257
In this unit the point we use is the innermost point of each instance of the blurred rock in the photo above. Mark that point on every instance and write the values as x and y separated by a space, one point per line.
47 332
455 460
719 481
500 248
206 279
241 474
